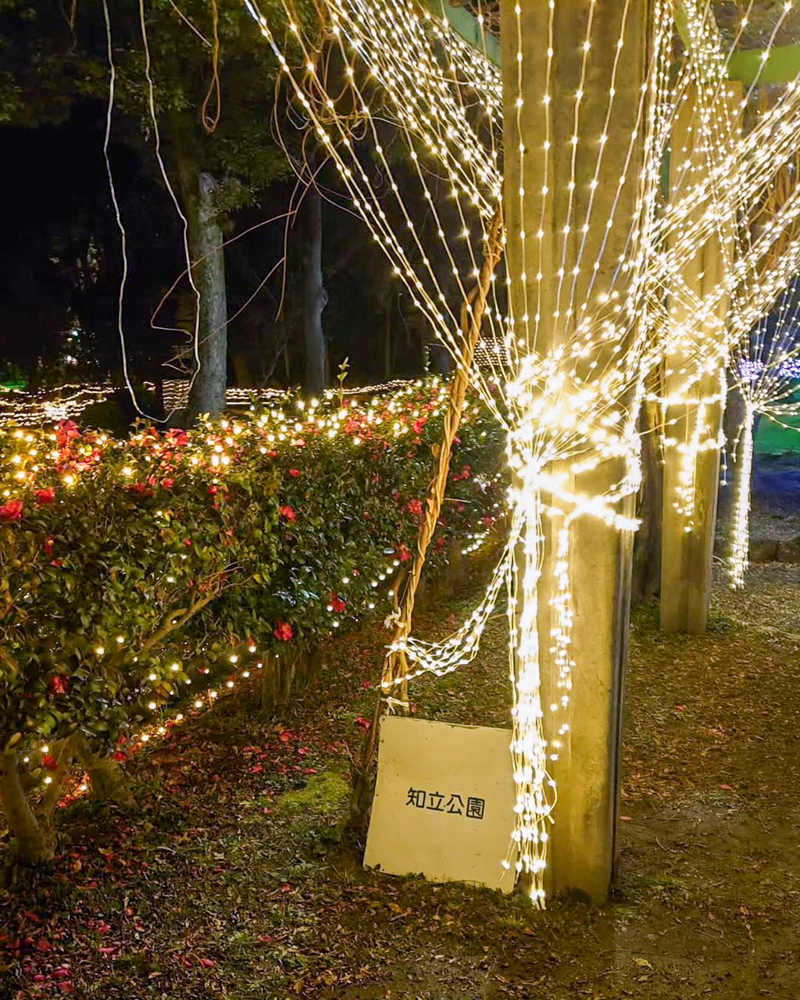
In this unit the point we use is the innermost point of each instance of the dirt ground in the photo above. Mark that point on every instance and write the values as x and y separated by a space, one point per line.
223 888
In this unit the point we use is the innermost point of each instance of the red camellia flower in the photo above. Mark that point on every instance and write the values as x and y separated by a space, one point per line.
12 511
48 546
65 431
283 631
213 490
45 496
414 507
58 685
288 513
167 483
403 553
336 603
294 472
143 489
49 762
177 437
419 424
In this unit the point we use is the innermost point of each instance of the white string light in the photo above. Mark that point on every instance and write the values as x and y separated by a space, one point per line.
571 366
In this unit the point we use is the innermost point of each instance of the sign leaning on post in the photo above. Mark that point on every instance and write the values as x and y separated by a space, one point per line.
442 803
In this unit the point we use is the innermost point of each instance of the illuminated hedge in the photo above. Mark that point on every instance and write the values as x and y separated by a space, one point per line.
150 572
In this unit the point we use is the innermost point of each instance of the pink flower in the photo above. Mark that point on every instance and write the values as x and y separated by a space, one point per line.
288 513
294 472
12 511
419 424
167 483
45 496
283 631
414 507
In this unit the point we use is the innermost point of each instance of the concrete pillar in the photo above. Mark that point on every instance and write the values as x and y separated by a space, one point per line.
693 426
582 838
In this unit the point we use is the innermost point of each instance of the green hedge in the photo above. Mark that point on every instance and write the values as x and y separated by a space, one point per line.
136 575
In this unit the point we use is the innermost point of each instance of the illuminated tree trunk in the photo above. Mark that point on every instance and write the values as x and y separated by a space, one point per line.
582 839
693 415
732 426
740 528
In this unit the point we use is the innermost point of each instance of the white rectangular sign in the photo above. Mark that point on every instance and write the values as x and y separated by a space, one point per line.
443 803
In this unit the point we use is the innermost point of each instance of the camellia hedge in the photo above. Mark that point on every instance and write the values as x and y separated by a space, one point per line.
144 576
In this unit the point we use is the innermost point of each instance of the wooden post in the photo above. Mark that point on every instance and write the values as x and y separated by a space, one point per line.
582 839
693 426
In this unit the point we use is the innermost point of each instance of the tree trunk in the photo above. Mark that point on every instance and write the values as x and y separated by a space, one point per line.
595 555
241 370
732 424
109 781
388 347
694 424
647 543
205 236
315 297
35 840
739 542
64 753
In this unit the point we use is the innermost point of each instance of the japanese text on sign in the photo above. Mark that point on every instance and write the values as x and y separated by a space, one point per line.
419 798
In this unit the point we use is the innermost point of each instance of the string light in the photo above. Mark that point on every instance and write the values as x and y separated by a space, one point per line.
569 402
49 406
